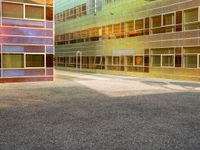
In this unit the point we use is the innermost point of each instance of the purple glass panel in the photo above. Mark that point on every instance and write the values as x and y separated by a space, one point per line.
13 48
34 72
50 49
24 23
35 49
49 25
25 40
25 31
49 72
13 73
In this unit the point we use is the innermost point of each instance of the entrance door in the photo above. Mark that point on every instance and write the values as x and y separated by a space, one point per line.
78 60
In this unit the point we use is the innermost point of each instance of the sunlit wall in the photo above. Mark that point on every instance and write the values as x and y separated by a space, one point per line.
159 37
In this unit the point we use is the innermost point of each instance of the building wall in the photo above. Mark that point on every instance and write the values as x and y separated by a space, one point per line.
26 40
158 37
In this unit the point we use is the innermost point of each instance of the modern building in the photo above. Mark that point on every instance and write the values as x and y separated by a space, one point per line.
157 38
26 40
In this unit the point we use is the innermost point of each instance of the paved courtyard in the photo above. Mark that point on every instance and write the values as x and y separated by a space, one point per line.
82 111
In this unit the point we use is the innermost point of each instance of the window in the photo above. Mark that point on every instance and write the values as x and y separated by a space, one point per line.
156 60
13 61
7 10
49 13
0 60
156 21
179 21
139 60
130 60
168 61
178 61
130 26
98 60
191 15
191 61
139 24
116 60
34 60
49 60
34 12
168 19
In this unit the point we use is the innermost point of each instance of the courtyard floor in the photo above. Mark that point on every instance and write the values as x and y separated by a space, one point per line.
85 111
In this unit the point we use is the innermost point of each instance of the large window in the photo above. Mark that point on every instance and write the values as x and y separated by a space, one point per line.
34 12
12 10
34 60
13 60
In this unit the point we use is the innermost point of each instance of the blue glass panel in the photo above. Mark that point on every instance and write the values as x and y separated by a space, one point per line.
13 73
13 49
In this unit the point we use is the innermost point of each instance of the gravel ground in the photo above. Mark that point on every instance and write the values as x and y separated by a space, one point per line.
81 111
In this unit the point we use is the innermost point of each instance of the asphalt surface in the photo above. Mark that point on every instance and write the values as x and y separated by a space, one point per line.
81 111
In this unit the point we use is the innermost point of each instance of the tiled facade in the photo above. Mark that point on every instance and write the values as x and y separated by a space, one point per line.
26 40
159 38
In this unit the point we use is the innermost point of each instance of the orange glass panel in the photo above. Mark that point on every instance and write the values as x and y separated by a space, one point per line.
49 13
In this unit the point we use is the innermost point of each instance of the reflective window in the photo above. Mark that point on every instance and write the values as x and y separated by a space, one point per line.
167 61
191 15
49 13
49 60
7 10
191 61
138 60
34 12
156 61
13 60
34 60
156 21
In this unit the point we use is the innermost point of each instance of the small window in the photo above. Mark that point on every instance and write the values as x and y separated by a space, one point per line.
49 13
191 61
139 24
98 60
49 60
168 19
139 60
0 60
34 12
178 61
13 61
116 60
7 10
34 60
167 61
156 21
191 15
156 61
130 60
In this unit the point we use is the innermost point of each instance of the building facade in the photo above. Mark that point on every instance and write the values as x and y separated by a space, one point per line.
26 40
159 38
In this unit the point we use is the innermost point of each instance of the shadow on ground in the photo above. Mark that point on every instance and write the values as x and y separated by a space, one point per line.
73 117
